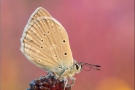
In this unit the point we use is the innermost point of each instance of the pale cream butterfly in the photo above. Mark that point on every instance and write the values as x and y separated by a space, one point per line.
45 43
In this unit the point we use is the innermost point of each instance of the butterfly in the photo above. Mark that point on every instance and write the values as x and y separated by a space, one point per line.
45 43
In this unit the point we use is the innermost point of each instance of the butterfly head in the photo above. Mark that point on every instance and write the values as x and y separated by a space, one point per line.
77 67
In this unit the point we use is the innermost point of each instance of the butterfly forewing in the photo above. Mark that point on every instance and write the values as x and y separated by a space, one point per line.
39 12
45 42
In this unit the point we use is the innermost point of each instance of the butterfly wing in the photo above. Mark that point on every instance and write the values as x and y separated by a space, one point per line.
45 42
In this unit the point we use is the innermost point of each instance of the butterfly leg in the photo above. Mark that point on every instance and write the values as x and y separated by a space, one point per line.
55 74
73 81
65 83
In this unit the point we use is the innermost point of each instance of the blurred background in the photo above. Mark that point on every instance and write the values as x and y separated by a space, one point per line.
100 32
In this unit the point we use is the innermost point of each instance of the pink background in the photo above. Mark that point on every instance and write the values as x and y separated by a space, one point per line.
100 32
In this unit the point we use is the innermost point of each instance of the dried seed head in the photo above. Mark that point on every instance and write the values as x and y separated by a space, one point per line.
48 82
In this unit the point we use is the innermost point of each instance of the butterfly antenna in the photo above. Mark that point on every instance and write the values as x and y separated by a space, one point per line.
96 67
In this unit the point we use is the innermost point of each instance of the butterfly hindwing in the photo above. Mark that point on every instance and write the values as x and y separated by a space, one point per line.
45 42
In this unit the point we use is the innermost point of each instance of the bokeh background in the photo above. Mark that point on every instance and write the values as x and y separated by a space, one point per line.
100 32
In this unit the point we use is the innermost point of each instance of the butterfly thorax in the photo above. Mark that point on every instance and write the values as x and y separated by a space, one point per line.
67 72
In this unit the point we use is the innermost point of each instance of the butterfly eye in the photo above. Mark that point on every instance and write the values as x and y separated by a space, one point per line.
77 67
